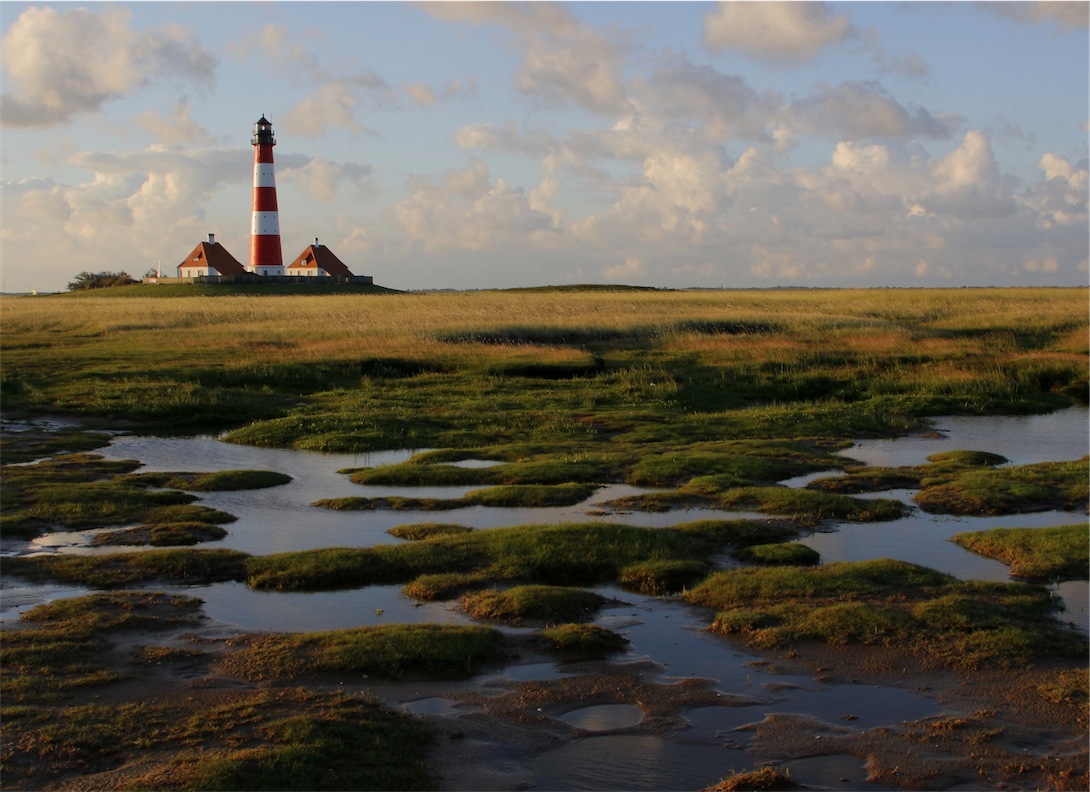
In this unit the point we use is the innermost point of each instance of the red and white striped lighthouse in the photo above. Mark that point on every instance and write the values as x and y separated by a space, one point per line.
266 257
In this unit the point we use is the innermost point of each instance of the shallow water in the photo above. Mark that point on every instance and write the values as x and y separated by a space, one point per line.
665 632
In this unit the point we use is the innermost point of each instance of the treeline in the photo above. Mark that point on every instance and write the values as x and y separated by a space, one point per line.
100 280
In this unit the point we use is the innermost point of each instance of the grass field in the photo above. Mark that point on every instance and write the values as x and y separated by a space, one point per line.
369 371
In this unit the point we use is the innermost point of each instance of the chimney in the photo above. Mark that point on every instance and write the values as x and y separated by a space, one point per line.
316 242
211 239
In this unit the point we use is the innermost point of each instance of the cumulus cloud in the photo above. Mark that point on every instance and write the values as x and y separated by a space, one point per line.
154 201
59 64
564 61
631 269
466 210
863 110
178 128
323 179
781 33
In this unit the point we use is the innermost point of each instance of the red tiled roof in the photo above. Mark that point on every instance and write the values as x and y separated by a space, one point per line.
323 257
215 256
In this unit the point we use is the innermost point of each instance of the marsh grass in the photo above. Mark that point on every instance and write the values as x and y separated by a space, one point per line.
972 483
169 534
662 577
763 778
958 623
778 555
84 491
509 496
224 480
581 641
1013 490
419 531
65 647
120 570
221 361
534 603
1061 553
803 504
337 742
286 739
564 554
391 651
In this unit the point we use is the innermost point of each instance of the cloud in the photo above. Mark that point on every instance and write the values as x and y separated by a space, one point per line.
59 64
323 179
1065 15
779 33
724 106
864 110
178 129
424 95
631 269
1061 199
564 61
467 210
136 207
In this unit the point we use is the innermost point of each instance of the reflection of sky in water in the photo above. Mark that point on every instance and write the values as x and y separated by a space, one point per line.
1023 439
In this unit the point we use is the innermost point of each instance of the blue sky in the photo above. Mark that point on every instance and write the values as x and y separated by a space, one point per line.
477 145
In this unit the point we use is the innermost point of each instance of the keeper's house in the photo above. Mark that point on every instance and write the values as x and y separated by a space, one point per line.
209 260
318 261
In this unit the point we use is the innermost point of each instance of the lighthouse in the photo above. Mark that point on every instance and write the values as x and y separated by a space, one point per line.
265 253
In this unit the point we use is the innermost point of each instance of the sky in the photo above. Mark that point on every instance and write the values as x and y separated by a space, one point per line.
459 145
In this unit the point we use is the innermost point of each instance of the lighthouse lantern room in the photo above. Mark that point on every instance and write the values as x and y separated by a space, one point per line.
266 257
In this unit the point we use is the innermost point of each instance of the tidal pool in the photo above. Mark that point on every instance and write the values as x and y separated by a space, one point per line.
664 632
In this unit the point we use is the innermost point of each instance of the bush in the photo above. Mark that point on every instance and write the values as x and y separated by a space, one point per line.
100 280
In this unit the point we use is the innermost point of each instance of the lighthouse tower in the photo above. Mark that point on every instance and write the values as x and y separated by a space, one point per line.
265 254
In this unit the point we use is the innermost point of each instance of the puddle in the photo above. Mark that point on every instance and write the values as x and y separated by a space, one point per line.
839 771
257 611
434 705
635 762
603 717
858 707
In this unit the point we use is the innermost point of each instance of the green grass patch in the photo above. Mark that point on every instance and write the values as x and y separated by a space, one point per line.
1063 486
779 555
348 743
167 534
391 651
418 531
508 496
802 504
225 480
1061 553
120 570
60 645
884 602
443 585
565 554
581 641
83 491
559 470
662 577
533 603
